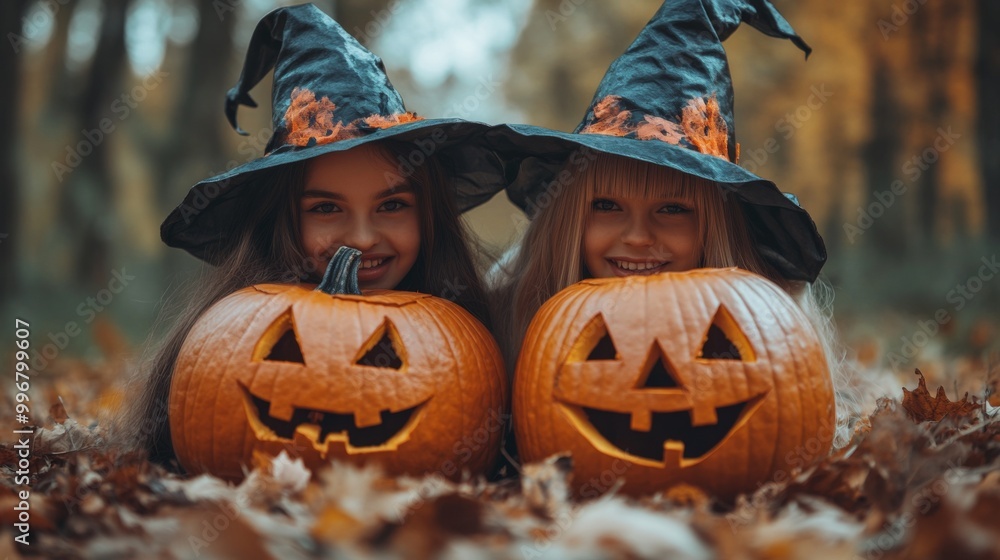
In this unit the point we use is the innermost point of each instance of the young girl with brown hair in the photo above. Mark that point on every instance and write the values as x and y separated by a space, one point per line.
346 165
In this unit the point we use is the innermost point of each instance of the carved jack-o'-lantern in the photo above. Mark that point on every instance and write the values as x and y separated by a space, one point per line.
400 378
711 377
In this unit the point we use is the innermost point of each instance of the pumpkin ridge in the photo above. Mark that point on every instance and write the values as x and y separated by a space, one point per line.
428 309
231 310
814 400
212 336
757 288
498 376
525 397
482 411
800 365
573 299
188 394
191 393
464 414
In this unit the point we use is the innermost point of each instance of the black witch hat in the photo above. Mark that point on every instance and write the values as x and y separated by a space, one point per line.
330 94
669 101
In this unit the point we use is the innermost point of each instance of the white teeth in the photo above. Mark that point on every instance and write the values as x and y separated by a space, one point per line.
371 263
625 265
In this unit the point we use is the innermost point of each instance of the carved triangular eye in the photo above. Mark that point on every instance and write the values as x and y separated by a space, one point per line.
724 340
383 348
280 343
594 343
658 374
604 350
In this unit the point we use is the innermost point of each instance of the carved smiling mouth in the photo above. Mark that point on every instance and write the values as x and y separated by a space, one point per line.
326 427
671 436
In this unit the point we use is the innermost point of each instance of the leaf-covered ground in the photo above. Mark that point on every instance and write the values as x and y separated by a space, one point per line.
920 478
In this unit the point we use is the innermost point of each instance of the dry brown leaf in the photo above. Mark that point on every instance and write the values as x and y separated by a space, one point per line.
67 437
921 407
58 411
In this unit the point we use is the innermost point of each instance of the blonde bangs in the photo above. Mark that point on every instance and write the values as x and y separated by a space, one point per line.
615 176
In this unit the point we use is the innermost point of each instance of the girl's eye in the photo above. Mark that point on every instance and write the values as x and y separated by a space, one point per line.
393 206
325 208
604 205
674 209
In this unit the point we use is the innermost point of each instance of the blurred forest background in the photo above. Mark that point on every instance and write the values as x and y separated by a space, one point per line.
888 134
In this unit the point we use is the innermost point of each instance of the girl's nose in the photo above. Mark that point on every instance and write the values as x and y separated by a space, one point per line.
638 233
363 235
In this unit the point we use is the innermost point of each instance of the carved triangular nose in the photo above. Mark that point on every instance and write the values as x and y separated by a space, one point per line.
658 372
381 350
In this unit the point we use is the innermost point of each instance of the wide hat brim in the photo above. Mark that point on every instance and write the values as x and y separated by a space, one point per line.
203 223
784 233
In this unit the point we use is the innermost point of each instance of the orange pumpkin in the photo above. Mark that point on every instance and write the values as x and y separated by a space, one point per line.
711 377
411 381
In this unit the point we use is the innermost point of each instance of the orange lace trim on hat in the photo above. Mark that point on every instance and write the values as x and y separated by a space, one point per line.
701 124
312 121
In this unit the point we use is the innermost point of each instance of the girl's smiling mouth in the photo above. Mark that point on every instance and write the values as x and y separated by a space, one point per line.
629 267
373 267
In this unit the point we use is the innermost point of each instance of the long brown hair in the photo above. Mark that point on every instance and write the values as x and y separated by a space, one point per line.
267 249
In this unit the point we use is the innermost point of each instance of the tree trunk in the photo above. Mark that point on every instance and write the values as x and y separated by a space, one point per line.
988 133
194 146
886 234
10 66
86 204
197 116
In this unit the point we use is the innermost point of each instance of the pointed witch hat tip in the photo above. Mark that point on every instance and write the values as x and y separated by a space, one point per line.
235 98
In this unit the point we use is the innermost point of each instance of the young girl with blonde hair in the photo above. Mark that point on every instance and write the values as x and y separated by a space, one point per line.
648 182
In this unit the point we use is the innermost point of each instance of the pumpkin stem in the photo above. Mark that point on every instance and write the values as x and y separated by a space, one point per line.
341 275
